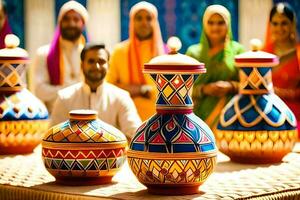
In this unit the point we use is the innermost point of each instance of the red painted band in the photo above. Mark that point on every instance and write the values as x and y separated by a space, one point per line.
174 67
14 58
256 60
181 111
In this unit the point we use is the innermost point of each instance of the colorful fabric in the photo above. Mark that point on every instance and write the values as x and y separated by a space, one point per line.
4 31
219 67
286 76
126 63
181 18
55 59
156 46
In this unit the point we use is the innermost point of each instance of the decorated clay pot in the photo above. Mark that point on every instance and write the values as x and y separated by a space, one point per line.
23 117
256 126
84 150
174 151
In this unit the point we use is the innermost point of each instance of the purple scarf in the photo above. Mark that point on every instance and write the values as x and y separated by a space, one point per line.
53 59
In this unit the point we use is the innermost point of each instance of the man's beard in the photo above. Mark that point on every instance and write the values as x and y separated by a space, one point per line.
89 76
71 34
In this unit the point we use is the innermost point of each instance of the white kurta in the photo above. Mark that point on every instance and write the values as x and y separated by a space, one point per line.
41 85
114 106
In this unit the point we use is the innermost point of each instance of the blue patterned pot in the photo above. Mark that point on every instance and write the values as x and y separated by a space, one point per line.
256 126
174 151
23 117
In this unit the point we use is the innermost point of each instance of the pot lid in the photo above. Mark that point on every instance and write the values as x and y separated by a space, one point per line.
255 57
83 114
174 62
12 51
84 127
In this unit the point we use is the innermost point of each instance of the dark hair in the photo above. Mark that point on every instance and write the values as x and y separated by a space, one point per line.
4 6
93 46
287 10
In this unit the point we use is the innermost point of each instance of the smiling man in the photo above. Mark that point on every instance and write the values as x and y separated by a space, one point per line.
57 65
114 105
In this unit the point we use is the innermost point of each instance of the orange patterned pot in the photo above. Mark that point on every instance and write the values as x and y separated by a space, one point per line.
84 150
23 117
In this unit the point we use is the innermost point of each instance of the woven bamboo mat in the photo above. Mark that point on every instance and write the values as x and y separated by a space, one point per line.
24 177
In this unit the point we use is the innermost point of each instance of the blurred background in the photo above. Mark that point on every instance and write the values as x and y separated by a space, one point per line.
34 20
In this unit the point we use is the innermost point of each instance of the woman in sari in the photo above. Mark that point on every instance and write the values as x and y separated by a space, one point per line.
281 40
216 50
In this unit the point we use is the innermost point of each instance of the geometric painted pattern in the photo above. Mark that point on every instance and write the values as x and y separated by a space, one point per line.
185 171
91 163
10 74
23 117
21 133
84 148
260 145
174 147
87 131
174 89
256 125
256 79
257 112
21 105
173 133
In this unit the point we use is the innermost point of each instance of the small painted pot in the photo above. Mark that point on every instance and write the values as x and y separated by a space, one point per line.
174 151
83 150
256 126
23 117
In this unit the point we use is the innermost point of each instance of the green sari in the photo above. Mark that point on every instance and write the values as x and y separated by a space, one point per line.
220 67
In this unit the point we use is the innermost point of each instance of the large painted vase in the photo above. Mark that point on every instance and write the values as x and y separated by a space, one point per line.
84 150
174 151
256 126
23 117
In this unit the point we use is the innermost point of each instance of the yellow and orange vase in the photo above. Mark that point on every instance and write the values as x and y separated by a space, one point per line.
83 150
174 151
256 126
23 117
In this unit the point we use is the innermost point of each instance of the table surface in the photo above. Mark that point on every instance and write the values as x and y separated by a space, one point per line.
24 177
